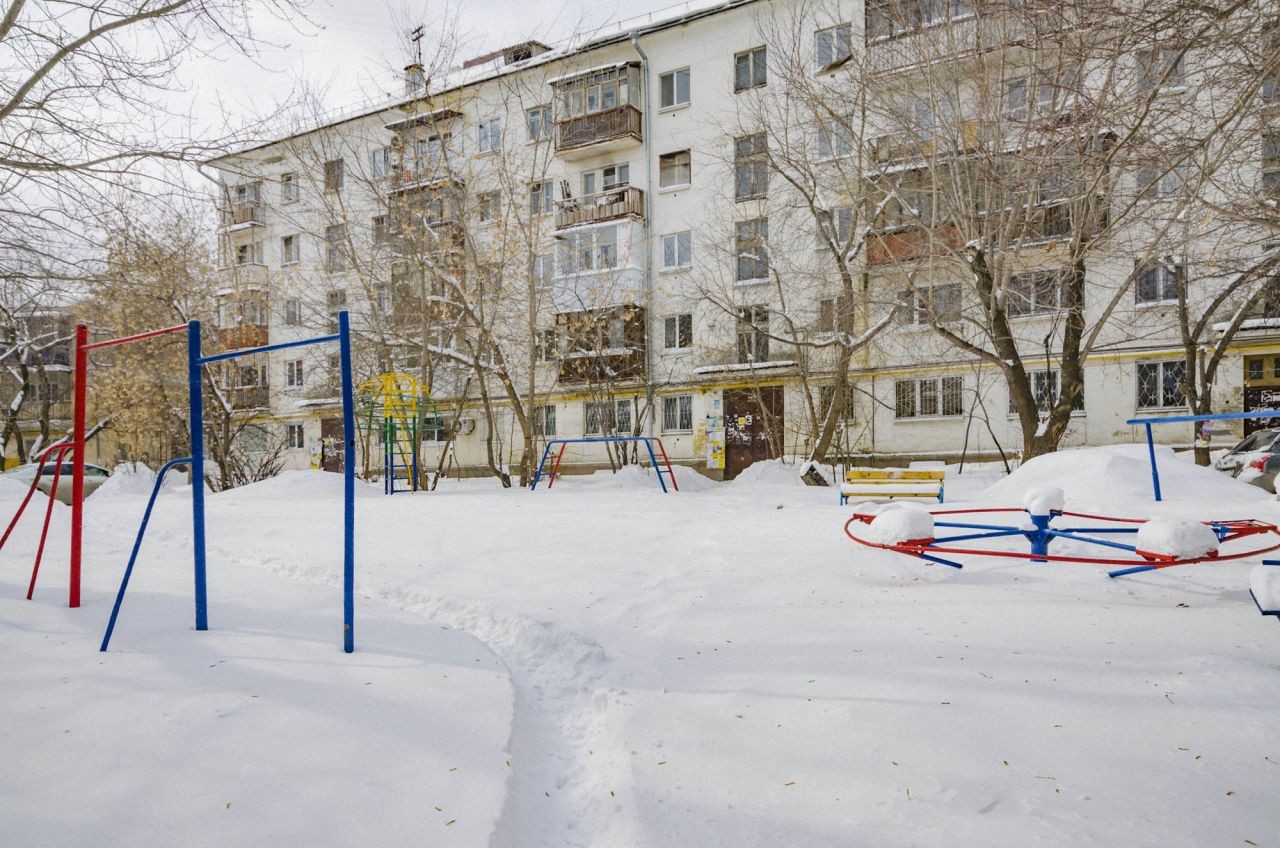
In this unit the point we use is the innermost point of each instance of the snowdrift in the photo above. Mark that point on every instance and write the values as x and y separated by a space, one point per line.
296 485
1120 476
634 477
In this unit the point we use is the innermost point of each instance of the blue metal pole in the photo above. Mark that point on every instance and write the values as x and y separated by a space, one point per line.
348 486
1151 452
537 474
1039 538
137 545
196 420
653 463
1135 570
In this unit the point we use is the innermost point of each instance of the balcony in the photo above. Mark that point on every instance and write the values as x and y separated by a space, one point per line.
243 215
242 335
909 243
598 132
249 397
908 146
247 277
596 289
603 346
445 239
623 202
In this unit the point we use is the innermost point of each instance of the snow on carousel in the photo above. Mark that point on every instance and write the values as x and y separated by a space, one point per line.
1127 545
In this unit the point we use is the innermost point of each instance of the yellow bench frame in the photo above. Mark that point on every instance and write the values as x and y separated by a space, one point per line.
891 483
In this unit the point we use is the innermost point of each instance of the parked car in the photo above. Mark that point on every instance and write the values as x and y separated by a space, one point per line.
94 476
1256 460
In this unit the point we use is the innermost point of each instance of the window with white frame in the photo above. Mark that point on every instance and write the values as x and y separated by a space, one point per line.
1037 293
1044 92
677 413
1271 164
832 46
835 225
595 249
292 311
544 269
295 436
253 439
928 397
253 311
1045 389
677 250
380 227
674 88
598 418
1161 69
750 166
750 69
622 416
835 138
1160 384
675 169
538 122
1157 181
607 178
334 174
290 249
542 197
751 249
489 135
678 332
249 254
888 18
382 300
1159 282
546 344
488 206
435 428
939 304
293 373
335 243
832 313
380 162
289 188
753 334
544 419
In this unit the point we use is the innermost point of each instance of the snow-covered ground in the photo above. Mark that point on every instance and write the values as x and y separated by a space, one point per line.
603 665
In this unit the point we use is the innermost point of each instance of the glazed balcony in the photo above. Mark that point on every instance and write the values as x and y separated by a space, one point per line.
623 202
599 132
242 335
243 215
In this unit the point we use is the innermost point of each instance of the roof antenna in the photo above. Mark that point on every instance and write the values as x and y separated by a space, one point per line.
416 37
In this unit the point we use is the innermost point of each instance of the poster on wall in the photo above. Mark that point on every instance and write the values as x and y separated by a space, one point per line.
715 437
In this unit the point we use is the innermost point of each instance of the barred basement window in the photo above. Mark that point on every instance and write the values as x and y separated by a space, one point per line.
931 396
677 413
1045 389
1160 384
544 420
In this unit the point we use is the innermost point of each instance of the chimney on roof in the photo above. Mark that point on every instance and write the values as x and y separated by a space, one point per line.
415 79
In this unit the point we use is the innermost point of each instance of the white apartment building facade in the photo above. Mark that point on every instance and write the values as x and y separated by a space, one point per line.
669 231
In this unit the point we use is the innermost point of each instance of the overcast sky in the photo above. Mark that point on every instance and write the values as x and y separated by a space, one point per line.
355 48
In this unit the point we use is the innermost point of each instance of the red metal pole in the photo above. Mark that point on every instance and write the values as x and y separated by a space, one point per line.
48 514
77 459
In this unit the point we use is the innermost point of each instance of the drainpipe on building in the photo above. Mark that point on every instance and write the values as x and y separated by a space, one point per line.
648 225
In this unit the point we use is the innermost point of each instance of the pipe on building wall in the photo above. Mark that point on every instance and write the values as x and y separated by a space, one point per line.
648 232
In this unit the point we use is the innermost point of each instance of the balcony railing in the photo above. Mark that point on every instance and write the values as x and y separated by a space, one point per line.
623 202
621 122
436 240
249 397
244 213
243 335
250 275
903 146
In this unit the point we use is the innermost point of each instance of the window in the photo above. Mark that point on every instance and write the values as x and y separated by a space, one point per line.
674 88
750 166
1163 70
290 249
886 18
588 250
598 418
293 373
939 303
674 169
380 162
1038 293
253 439
544 268
250 376
293 311
750 69
488 206
835 138
435 428
381 300
1160 384
598 91
677 250
677 413
832 46
678 332
431 151
249 254
931 396
295 436
544 420
1159 282
546 345
334 174
607 178
753 334
1156 181
381 227
542 197
832 313
1271 164
750 239
1044 387
288 188
835 224
538 122
489 135
335 237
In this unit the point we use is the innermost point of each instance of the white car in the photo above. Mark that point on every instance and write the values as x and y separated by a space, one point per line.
94 476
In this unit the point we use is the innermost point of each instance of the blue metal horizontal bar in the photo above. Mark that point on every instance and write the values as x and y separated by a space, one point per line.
1096 529
940 560
967 537
1135 570
604 439
247 351
1103 542
1220 416
964 525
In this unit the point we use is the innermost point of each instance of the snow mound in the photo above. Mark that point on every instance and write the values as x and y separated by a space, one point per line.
897 521
1043 500
630 477
1120 475
297 485
127 479
1264 581
1171 537
770 472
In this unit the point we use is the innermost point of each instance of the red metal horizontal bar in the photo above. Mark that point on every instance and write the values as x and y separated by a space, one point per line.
150 334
